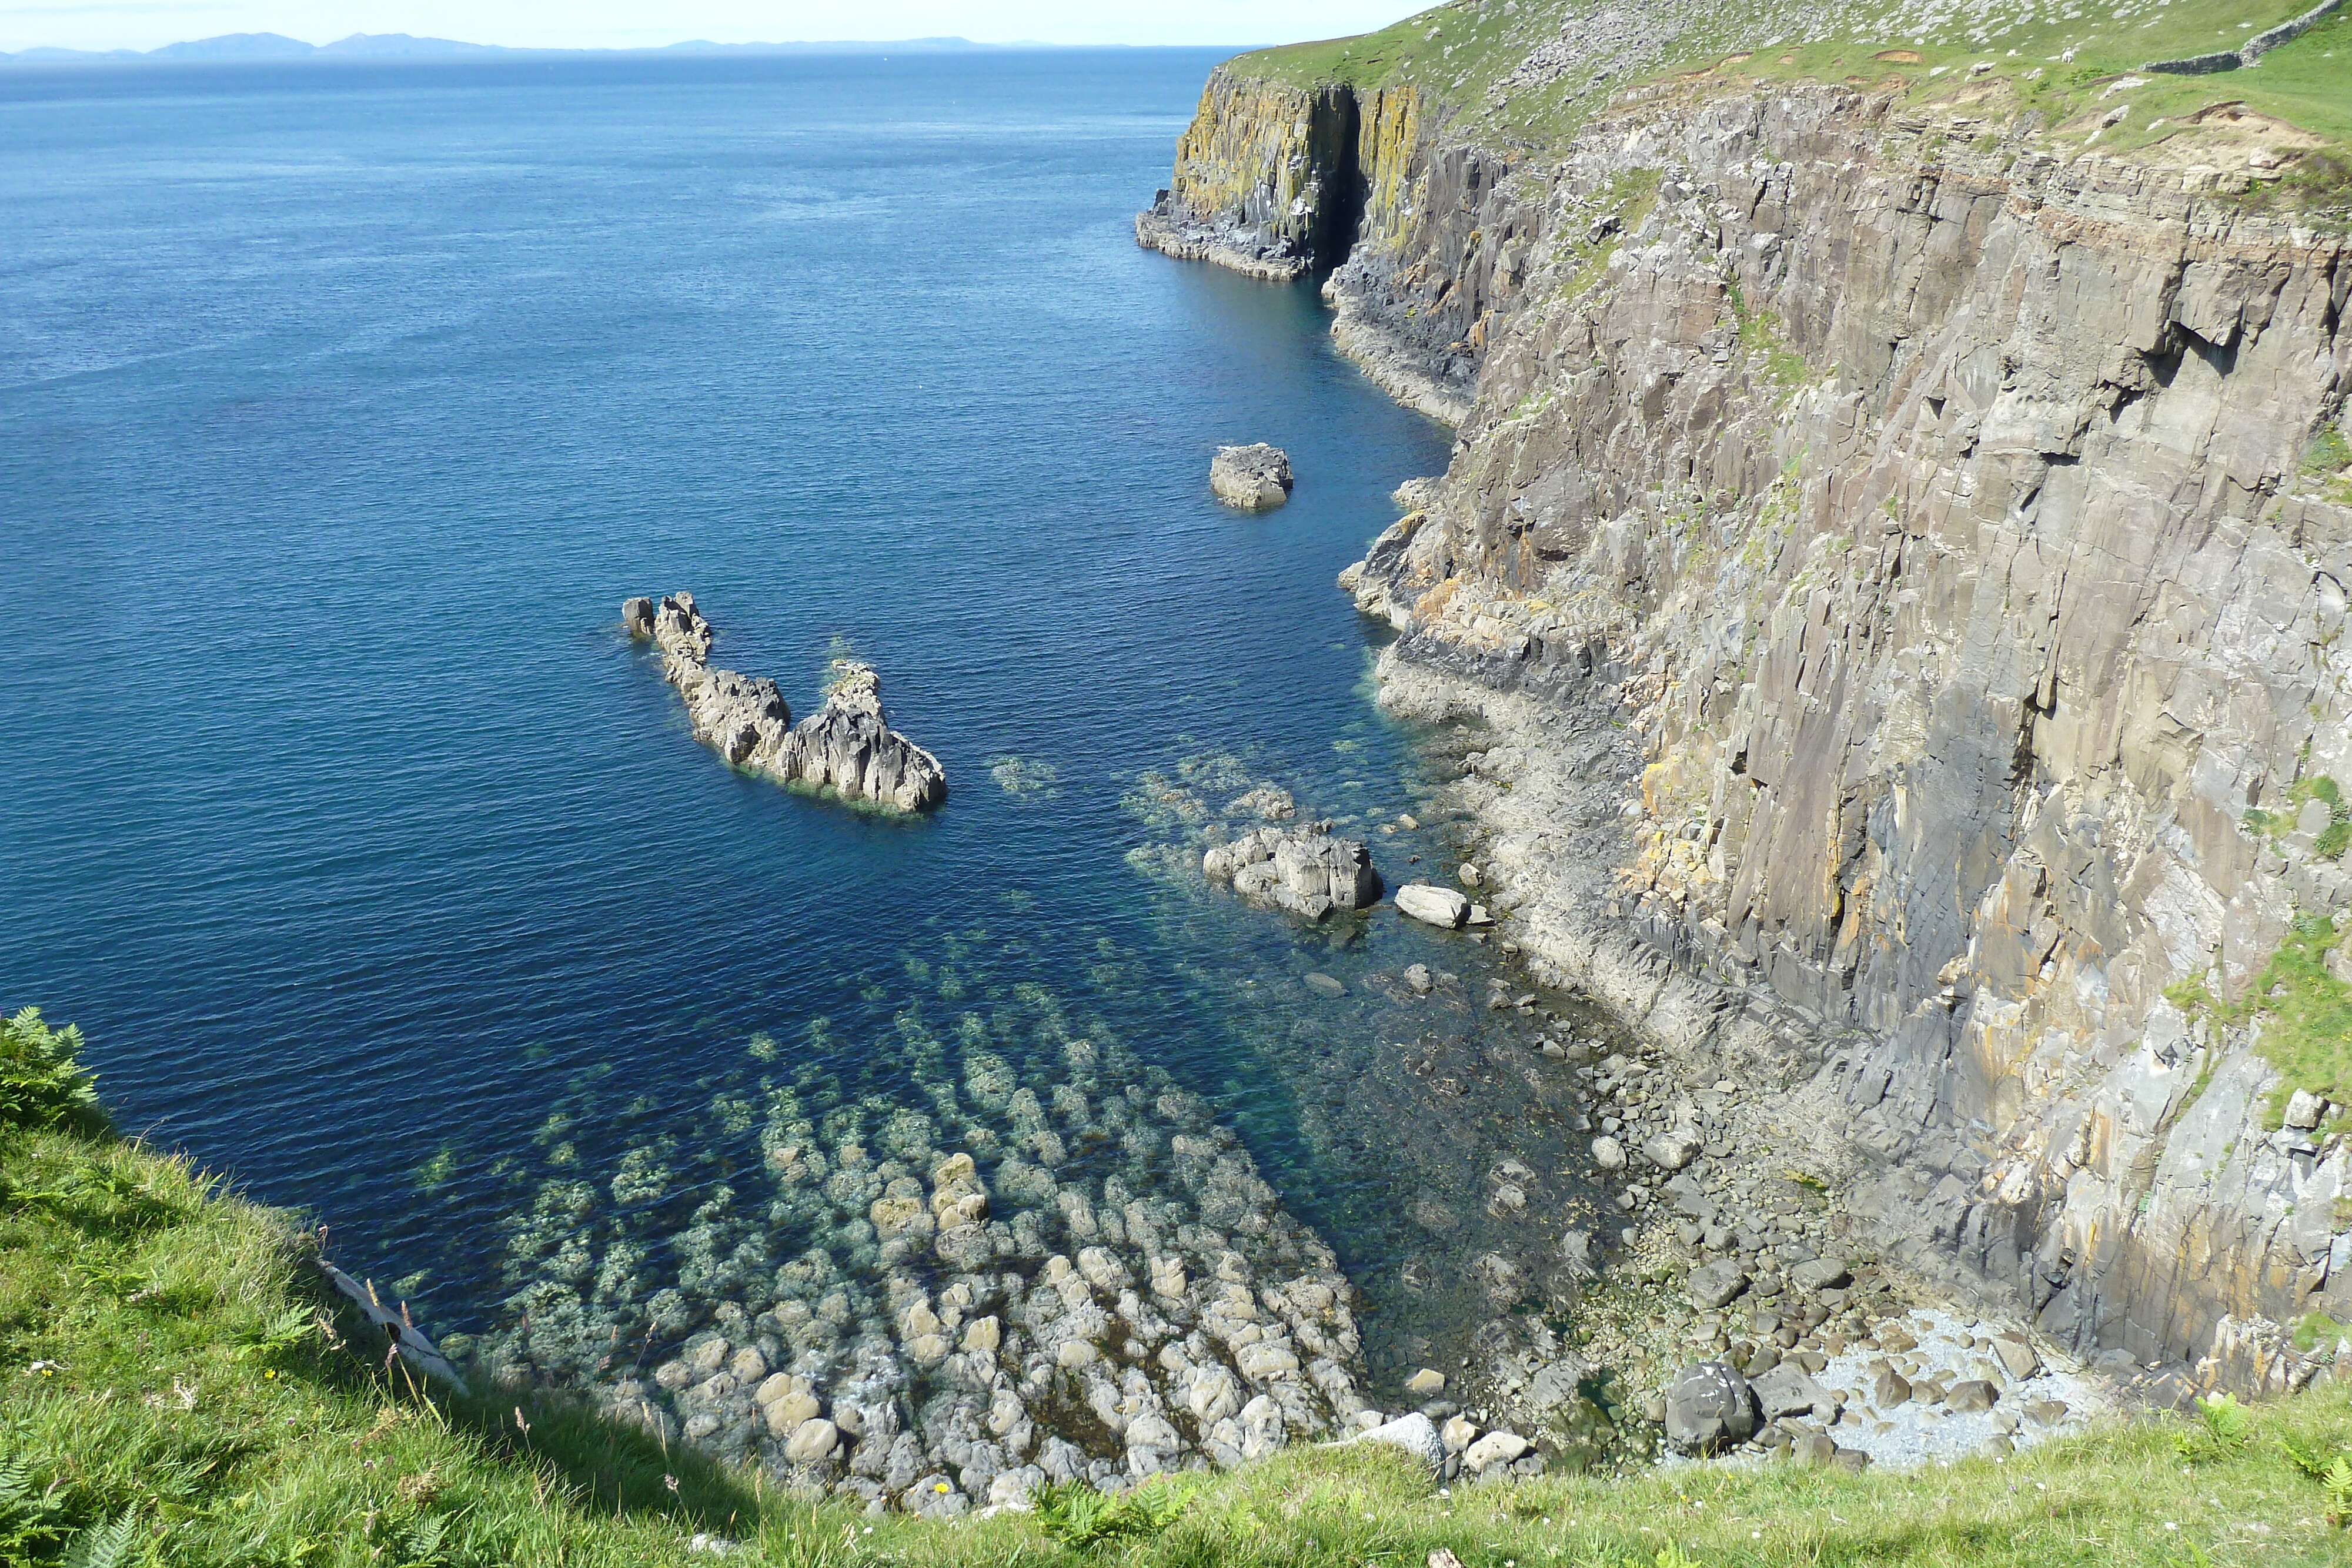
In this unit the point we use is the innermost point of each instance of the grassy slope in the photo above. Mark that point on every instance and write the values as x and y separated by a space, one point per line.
1459 50
161 1363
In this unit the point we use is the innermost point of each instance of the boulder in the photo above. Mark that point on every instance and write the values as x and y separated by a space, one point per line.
1494 1448
1416 1434
1426 1383
1713 1285
1609 1153
2018 1358
1255 478
1674 1148
1709 1407
1786 1391
1432 905
812 1440
1968 1397
1820 1274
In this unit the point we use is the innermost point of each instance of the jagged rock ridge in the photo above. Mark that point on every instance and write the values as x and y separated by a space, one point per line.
846 747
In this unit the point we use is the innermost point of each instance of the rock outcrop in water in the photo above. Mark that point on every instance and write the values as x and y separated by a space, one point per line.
1255 478
1305 869
846 749
1956 520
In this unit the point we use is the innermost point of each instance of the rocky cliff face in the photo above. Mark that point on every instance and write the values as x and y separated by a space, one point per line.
1938 518
1419 243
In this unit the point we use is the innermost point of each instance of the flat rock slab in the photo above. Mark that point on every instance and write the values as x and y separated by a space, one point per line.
1713 1284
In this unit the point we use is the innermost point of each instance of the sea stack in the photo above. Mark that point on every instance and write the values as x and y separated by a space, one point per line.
846 747
1255 478
1306 870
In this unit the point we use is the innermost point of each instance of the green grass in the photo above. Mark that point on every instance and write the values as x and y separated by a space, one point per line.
1460 52
2331 841
175 1388
2302 1014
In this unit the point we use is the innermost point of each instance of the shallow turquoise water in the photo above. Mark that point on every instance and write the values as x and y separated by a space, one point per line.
341 406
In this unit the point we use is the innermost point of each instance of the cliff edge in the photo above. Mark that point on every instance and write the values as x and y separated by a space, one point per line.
1898 541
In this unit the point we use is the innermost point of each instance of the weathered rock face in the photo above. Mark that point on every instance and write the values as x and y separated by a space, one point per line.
1305 870
1251 477
1958 666
1936 522
744 719
1420 242
846 747
1265 180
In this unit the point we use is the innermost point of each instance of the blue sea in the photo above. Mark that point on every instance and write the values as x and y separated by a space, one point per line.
340 408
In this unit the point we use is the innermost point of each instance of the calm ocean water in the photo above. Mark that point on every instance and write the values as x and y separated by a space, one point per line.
339 407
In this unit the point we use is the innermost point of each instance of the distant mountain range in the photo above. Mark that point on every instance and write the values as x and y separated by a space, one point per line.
401 46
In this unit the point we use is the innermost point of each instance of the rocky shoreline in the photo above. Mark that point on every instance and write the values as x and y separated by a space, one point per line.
1064 1268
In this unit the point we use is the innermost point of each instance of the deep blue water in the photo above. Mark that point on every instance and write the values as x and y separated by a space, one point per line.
341 406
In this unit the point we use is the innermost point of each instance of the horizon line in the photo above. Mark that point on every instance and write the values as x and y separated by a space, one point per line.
278 47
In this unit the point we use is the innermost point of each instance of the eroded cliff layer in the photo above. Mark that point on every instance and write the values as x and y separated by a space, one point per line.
1954 520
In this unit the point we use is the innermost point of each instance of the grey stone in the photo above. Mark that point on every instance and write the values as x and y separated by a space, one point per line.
1496 1447
1972 1396
1414 1433
2017 1357
1674 1149
1709 1407
1715 1284
1254 478
1786 1391
1820 1274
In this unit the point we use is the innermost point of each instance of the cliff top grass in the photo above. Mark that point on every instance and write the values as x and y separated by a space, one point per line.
177 1388
1529 72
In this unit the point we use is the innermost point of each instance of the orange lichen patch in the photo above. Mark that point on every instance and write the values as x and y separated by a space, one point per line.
1432 605
1900 57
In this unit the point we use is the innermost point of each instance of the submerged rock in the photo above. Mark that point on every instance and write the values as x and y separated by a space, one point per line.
1061 1266
1305 871
1255 478
846 747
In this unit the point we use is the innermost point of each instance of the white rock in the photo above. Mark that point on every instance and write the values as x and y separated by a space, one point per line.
1416 1434
1432 905
813 1440
1609 1153
1492 1448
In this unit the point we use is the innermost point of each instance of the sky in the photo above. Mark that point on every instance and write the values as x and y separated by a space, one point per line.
628 24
